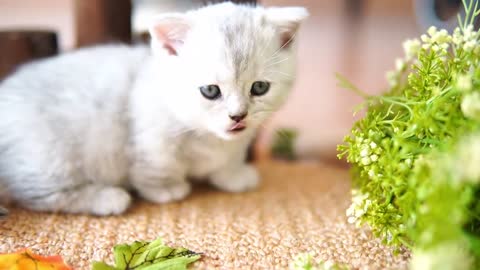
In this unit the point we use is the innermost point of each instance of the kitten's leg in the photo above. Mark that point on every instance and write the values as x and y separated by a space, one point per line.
160 185
157 171
52 181
41 172
235 178
89 198
169 190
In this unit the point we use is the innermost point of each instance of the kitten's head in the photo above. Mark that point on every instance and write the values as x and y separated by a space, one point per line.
234 64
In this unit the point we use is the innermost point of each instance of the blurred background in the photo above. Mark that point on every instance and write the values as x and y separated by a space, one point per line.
359 39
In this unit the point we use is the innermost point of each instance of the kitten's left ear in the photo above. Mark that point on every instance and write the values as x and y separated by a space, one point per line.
168 32
287 20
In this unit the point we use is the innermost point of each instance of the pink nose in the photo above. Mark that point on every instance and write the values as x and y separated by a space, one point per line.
239 117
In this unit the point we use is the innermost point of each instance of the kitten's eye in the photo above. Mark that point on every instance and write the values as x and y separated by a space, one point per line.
259 88
211 91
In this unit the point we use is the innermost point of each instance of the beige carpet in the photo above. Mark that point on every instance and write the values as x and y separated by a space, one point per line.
299 208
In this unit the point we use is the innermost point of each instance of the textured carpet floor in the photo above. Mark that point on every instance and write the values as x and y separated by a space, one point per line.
299 208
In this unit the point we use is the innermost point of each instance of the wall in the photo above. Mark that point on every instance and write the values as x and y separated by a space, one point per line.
56 15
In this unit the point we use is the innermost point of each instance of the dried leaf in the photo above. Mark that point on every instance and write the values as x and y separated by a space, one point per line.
26 260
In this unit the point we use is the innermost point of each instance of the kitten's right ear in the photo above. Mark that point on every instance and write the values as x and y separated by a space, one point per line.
287 21
168 32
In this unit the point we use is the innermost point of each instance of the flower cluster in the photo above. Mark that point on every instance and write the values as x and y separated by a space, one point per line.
437 41
467 39
358 208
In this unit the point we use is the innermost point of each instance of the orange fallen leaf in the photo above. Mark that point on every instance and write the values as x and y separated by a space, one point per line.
26 260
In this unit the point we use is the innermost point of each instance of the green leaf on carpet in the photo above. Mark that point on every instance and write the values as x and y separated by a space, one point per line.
283 146
149 256
306 262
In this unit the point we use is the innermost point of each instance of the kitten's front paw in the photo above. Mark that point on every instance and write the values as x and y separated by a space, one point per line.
111 201
240 180
173 191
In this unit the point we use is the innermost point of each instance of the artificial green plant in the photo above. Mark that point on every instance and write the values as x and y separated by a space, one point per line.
415 155
283 145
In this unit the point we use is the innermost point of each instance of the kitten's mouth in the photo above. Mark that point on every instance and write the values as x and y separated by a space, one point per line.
237 127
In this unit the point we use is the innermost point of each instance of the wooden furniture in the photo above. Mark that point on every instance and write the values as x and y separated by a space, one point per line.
18 47
101 21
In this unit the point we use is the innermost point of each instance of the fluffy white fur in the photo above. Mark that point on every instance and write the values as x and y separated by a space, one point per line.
80 130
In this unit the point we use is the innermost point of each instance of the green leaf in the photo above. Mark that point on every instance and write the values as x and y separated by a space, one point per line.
149 256
306 262
474 242
283 145
102 266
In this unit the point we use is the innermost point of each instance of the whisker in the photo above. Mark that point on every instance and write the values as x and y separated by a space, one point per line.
272 59
278 62
263 111
285 44
281 73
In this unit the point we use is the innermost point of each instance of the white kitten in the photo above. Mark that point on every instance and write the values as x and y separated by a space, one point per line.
81 129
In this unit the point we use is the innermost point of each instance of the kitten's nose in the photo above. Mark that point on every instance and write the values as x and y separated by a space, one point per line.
238 117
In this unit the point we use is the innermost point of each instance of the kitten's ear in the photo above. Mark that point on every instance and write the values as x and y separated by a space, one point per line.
168 32
287 20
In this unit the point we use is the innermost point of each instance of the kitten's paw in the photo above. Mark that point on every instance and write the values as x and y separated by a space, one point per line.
240 180
111 201
165 193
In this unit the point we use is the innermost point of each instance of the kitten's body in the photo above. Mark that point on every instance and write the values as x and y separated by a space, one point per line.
65 127
80 129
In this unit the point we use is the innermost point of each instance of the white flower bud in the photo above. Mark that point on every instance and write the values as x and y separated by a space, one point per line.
408 161
392 78
464 83
366 161
359 213
432 31
470 45
468 158
411 48
352 219
399 64
471 105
